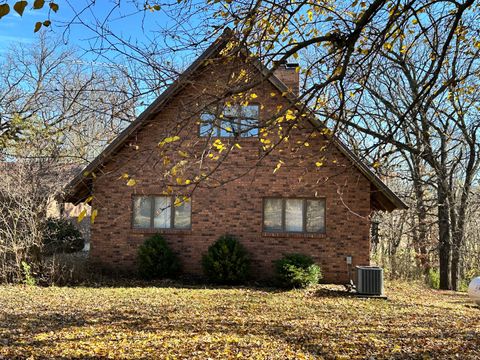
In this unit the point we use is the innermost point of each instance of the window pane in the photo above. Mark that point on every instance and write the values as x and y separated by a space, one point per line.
183 214
242 120
207 124
231 112
315 216
162 212
294 215
227 128
272 215
142 207
249 128
250 118
250 112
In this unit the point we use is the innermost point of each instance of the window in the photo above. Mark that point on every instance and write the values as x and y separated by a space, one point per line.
161 212
234 121
294 215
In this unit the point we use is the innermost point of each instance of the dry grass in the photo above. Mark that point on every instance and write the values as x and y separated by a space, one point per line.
176 322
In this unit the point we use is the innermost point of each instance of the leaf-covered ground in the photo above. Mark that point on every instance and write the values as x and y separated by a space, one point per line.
196 323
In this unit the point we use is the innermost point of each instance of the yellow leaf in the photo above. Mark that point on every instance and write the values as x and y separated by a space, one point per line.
238 146
310 15
89 199
279 165
272 94
253 96
169 140
319 163
290 115
93 216
187 182
81 215
131 182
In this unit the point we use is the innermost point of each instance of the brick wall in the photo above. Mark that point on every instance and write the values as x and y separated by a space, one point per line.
235 207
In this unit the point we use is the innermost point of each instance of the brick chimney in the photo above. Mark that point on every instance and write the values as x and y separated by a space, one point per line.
287 74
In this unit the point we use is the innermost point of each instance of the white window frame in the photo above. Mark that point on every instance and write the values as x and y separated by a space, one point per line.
304 215
172 206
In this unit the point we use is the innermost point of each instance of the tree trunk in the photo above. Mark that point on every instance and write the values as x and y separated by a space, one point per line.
420 231
443 236
455 266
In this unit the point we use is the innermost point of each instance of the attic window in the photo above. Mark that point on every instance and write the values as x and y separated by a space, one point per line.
234 121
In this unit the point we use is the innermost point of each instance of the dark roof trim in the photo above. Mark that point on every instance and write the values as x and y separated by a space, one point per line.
173 89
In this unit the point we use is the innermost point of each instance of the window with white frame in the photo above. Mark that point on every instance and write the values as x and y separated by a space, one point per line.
295 215
237 120
161 212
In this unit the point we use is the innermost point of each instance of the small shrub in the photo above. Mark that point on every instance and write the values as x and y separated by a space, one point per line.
61 236
226 261
156 260
434 279
27 272
297 271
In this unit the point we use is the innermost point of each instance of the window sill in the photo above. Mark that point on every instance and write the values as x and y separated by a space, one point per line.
294 235
162 231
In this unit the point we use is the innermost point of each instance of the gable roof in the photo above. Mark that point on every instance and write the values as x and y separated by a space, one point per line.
79 188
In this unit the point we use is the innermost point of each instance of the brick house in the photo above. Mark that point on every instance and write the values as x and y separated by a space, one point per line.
200 170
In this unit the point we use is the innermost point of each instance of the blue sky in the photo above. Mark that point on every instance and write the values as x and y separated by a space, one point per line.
14 29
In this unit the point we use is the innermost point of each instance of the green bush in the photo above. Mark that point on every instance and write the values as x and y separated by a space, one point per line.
61 236
156 260
297 271
226 261
27 272
434 279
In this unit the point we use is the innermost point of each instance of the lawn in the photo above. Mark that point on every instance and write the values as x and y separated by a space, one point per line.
197 323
